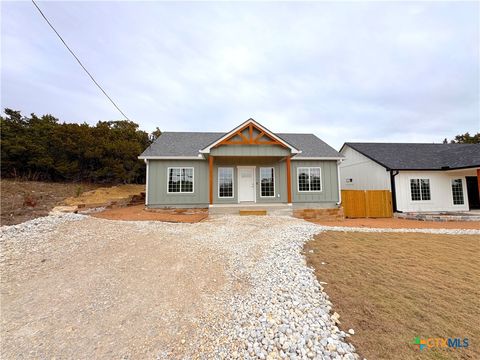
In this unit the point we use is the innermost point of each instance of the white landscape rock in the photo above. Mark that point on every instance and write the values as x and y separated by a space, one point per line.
29 235
284 313
64 209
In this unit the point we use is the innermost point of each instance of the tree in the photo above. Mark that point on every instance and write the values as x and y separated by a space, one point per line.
45 149
155 134
465 139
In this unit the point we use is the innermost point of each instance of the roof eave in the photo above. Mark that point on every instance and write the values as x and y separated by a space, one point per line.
368 156
318 158
440 169
160 157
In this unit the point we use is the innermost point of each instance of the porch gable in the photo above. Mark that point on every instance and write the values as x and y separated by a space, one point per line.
250 133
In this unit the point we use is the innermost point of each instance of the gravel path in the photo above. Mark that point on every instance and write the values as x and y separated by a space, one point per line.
73 286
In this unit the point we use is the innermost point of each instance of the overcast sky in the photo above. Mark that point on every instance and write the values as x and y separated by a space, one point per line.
353 71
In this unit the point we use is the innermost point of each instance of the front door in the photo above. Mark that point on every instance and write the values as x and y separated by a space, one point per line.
472 191
246 184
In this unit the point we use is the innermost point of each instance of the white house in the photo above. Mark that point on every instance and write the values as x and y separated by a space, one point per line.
421 177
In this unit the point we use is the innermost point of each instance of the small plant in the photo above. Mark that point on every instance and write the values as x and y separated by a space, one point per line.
29 200
79 190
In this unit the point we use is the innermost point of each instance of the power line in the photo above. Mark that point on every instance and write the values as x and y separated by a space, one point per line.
78 60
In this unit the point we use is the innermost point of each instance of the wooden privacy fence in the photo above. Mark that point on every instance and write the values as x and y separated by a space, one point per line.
367 203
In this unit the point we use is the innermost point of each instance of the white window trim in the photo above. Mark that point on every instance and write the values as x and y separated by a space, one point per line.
218 183
298 182
193 180
463 190
430 189
260 176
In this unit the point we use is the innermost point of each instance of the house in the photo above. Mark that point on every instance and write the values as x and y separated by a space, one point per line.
421 177
247 166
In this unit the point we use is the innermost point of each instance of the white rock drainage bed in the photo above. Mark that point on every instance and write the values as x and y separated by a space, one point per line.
285 313
288 314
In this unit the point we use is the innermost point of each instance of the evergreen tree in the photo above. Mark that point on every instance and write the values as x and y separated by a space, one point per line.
42 148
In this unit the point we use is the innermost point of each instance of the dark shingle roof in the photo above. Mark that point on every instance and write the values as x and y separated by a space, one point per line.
411 156
310 145
189 144
181 143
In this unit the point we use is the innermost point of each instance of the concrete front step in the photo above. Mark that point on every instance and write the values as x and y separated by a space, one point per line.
252 212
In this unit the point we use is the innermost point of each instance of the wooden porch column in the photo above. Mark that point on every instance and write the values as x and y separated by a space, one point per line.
289 181
478 181
210 179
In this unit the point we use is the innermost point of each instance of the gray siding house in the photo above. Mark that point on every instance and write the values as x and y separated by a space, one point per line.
249 165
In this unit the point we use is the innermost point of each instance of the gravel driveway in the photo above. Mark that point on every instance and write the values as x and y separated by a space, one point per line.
79 287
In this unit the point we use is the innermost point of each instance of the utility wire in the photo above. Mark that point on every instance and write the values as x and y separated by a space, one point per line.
78 60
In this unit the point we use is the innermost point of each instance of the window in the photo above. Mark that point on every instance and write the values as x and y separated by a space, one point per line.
457 192
420 189
267 182
309 179
225 182
180 180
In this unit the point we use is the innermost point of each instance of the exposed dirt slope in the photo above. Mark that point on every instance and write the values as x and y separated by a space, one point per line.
105 195
138 213
26 200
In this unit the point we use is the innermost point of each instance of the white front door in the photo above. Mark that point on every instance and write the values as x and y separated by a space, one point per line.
246 184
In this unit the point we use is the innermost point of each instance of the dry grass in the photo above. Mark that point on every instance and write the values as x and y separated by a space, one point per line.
391 287
105 195
26 200
393 223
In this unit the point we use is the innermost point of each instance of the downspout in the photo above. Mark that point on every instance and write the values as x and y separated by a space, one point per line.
338 179
394 192
146 183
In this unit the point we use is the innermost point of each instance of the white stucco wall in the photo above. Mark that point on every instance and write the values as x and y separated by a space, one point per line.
365 173
440 190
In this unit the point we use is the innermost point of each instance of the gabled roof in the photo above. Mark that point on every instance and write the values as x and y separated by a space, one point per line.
260 127
188 145
414 156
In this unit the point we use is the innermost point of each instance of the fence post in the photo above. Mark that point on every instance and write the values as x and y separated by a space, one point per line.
367 205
